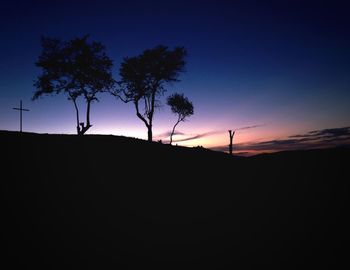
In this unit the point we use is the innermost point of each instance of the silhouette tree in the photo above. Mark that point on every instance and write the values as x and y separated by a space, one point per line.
143 79
231 138
76 68
180 106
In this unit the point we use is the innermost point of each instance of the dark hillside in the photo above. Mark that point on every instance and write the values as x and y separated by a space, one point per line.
92 201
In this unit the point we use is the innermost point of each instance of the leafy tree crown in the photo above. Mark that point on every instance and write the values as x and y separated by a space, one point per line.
76 67
180 105
144 75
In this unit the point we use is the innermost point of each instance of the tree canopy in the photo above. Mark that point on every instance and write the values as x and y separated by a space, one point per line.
144 77
182 107
76 68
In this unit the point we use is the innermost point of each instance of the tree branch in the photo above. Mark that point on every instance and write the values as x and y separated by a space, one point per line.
117 95
140 115
77 112
172 133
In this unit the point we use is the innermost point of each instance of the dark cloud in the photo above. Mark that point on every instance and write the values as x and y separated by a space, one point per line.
167 134
248 127
313 139
198 136
330 133
189 137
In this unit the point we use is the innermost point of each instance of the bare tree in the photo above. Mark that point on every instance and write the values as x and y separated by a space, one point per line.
76 68
143 80
231 138
180 106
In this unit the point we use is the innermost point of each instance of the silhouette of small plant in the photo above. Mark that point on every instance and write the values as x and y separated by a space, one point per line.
76 68
182 107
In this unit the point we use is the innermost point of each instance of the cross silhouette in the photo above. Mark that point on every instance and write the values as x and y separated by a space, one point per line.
20 109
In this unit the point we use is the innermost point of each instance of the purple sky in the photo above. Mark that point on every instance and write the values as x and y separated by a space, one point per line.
281 66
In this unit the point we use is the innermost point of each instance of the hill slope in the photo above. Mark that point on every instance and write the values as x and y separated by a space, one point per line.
91 201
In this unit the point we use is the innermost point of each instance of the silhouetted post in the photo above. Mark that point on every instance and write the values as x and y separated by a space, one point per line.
231 138
20 109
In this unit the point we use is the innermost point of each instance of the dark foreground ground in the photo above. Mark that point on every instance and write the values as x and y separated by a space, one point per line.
103 202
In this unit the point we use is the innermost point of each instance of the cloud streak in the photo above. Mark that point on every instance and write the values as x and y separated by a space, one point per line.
189 137
314 139
249 127
198 136
167 134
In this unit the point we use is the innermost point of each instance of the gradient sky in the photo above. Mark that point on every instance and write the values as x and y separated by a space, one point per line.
283 66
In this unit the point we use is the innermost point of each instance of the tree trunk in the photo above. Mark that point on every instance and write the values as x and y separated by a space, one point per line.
151 113
82 128
230 149
231 138
77 115
87 126
172 133
149 133
148 125
88 114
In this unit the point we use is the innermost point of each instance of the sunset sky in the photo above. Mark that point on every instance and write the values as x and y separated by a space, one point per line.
281 68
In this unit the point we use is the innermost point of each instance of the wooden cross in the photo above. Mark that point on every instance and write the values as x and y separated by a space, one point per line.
20 109
231 138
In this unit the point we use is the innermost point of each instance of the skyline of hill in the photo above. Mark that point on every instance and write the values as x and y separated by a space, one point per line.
316 139
106 201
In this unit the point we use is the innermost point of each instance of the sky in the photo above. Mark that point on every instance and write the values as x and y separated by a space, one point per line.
276 72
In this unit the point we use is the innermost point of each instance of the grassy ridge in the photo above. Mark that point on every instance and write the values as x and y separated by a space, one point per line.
105 200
